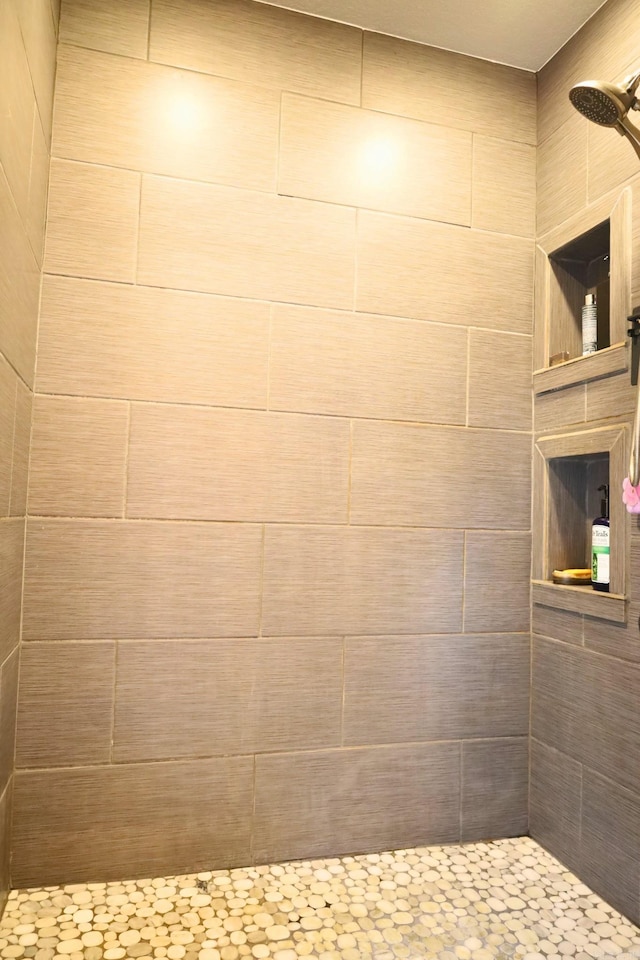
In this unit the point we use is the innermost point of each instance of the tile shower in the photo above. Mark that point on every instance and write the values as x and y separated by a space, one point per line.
276 595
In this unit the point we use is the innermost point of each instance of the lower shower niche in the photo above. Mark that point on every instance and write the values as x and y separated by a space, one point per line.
570 468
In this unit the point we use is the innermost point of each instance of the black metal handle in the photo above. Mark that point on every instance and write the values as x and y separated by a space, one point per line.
634 333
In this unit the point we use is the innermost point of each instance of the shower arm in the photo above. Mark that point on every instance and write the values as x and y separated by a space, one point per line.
627 129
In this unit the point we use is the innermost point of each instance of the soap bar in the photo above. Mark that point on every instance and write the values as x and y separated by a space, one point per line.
574 576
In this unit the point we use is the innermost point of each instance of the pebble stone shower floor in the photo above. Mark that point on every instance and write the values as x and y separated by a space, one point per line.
503 899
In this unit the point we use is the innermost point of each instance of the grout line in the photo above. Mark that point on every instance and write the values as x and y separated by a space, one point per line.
138 225
349 472
13 448
356 261
221 185
261 592
471 180
253 811
278 146
427 424
244 637
361 68
468 379
464 577
460 793
127 449
274 751
344 656
295 304
149 34
116 652
286 524
269 357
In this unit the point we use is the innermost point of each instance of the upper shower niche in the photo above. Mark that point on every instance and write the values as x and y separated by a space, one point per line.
588 254
580 267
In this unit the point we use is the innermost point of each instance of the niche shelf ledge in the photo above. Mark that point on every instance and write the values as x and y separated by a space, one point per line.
604 363
605 606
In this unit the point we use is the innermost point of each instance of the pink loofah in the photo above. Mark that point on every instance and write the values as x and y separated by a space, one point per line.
630 496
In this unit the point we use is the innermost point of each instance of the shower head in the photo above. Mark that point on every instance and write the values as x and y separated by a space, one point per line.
603 103
608 104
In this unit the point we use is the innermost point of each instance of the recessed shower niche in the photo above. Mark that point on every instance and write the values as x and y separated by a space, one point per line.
588 254
569 468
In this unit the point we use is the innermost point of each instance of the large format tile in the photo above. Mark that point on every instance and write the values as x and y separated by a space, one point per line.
504 186
612 160
17 106
39 35
335 581
139 343
435 688
415 80
585 704
346 801
108 579
5 842
78 457
21 441
188 698
500 392
413 268
619 639
555 802
19 288
194 463
610 843
261 44
555 693
131 820
353 365
8 709
557 624
560 408
115 26
92 223
66 704
144 116
497 581
38 189
213 239
440 477
362 158
11 556
495 789
8 380
562 174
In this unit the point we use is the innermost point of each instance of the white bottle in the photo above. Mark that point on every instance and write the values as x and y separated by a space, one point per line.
589 325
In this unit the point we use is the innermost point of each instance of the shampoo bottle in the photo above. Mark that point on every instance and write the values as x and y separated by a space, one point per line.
589 325
600 546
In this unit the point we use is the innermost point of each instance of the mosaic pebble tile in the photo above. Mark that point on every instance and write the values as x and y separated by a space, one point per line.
482 901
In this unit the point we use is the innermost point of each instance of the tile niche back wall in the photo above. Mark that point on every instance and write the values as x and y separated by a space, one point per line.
27 66
277 569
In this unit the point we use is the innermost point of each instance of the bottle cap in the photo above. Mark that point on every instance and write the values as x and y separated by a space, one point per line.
590 299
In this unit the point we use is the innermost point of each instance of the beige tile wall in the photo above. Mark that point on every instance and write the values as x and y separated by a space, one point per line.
584 689
279 498
27 65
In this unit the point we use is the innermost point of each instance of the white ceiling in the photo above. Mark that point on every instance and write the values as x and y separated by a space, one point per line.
522 33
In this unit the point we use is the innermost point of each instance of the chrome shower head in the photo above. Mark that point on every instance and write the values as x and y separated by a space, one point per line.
608 104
